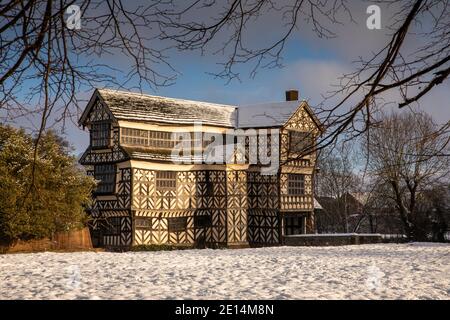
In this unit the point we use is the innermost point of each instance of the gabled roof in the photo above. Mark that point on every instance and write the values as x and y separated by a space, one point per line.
141 107
131 106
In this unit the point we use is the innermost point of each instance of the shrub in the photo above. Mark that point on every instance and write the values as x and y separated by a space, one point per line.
39 195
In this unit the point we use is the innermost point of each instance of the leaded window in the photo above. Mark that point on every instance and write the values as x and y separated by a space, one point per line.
135 137
296 184
147 138
300 141
106 174
294 225
166 180
178 224
161 139
100 134
144 223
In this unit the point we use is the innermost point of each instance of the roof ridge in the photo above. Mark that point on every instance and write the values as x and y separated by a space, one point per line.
140 106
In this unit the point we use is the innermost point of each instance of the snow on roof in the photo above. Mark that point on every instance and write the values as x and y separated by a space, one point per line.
142 107
266 114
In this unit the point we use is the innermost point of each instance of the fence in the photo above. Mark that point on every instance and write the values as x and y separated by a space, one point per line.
339 239
70 241
394 238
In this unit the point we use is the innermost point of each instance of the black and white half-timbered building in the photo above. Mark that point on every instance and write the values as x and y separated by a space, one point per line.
144 196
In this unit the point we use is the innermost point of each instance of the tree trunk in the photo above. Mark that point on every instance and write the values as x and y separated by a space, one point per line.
408 225
439 227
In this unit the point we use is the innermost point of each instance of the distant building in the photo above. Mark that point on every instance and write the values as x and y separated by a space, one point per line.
361 212
145 196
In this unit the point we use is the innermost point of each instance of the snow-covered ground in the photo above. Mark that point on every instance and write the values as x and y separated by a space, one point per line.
392 271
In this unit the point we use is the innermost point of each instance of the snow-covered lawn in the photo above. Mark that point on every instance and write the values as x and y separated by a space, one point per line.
392 271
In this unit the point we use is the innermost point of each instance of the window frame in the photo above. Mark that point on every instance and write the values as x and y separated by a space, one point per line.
305 142
164 181
102 183
177 224
294 223
147 138
295 185
106 140
143 223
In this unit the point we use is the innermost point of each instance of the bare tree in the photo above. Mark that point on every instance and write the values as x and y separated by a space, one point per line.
377 214
407 156
44 63
336 180
409 73
434 206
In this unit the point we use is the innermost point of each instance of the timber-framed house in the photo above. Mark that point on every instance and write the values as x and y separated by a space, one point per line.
143 196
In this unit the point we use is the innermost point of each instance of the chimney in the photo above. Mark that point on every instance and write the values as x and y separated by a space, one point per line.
291 95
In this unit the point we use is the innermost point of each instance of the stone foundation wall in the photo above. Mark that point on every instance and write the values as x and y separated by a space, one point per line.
331 239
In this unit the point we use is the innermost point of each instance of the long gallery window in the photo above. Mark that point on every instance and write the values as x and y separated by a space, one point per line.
100 134
146 138
296 184
155 139
106 173
134 136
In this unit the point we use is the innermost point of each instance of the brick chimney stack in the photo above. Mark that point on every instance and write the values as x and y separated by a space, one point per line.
291 95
